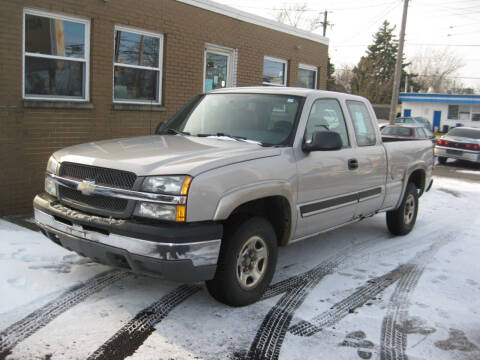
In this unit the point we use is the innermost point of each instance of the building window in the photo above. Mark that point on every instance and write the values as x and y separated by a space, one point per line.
56 57
307 76
453 112
274 71
476 117
137 66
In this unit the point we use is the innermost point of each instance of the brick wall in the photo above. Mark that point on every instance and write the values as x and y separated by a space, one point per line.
28 135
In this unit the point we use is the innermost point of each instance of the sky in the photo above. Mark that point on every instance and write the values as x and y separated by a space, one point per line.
431 24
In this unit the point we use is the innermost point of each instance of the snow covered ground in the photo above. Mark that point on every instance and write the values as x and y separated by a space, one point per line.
354 293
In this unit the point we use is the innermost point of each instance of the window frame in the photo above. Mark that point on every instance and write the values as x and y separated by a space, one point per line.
347 102
85 60
159 69
285 75
310 68
231 55
457 111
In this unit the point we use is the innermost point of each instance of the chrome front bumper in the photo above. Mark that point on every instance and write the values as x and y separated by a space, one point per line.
199 253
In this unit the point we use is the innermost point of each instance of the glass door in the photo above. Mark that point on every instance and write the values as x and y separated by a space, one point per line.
218 67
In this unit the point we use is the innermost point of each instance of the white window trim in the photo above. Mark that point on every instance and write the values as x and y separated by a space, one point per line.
159 69
231 55
285 76
86 59
311 68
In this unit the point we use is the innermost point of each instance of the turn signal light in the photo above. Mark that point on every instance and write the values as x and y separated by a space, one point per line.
181 213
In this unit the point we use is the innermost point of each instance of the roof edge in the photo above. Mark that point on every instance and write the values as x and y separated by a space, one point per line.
255 19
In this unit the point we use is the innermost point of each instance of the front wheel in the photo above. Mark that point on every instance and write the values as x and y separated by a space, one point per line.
402 220
246 263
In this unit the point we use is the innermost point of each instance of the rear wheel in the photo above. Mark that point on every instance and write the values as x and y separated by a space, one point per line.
442 160
246 263
402 220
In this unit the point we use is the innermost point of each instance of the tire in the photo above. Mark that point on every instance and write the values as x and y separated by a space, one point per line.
442 160
402 220
247 246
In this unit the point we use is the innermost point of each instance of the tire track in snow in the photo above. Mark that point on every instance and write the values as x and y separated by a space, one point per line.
269 338
132 335
272 331
393 338
344 307
36 320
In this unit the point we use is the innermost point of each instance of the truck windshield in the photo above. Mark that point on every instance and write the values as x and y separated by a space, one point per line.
269 119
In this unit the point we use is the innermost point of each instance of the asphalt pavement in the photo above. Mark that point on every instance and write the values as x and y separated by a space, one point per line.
460 170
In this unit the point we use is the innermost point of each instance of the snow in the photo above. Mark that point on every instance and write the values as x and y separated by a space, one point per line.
440 315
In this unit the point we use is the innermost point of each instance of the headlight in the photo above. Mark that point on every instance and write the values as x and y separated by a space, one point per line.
172 185
52 168
52 165
161 211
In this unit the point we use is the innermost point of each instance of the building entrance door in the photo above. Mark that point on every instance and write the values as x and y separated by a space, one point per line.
436 119
219 66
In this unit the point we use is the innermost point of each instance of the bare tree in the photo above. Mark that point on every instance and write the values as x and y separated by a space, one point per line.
436 69
299 16
343 76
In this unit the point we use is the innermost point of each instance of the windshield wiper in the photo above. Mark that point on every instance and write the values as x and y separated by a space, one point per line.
176 132
238 138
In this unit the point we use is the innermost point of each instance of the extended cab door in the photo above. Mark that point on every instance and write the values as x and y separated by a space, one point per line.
327 193
370 155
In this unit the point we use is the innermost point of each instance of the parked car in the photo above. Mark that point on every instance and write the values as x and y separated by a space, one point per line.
234 175
461 143
382 123
414 120
406 132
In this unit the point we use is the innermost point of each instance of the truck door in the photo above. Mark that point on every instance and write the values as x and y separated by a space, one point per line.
370 176
327 195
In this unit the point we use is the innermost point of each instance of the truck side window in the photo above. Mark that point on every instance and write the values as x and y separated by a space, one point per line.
327 115
362 123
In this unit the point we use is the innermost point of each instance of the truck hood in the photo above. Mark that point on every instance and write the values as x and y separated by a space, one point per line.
164 154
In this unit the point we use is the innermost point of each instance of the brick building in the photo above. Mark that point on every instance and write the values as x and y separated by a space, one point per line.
78 71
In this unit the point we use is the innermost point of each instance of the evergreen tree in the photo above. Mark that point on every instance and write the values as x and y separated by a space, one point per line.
330 76
373 75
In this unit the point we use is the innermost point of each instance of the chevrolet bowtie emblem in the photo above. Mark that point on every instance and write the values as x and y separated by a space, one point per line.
86 187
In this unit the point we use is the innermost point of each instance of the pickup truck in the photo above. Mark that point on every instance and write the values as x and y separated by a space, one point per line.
231 177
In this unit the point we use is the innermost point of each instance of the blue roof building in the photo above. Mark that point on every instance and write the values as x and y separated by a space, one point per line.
443 110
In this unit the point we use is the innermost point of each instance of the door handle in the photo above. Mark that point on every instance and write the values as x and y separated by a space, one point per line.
352 164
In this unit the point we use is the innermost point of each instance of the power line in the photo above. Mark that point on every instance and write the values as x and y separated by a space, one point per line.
423 75
413 44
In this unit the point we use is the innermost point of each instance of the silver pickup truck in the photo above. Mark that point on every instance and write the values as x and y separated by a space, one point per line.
231 177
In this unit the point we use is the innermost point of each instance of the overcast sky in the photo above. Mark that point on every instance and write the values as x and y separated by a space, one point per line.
430 24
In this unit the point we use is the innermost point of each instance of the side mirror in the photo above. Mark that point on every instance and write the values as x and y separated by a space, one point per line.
323 141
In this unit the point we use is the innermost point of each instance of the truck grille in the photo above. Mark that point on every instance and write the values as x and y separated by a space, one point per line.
102 176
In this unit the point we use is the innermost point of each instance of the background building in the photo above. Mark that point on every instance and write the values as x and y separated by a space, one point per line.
79 71
443 110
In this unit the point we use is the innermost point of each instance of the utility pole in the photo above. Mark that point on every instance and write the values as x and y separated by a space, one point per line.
398 66
325 22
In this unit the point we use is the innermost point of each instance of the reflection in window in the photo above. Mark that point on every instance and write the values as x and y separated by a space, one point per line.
53 77
362 123
56 56
215 71
327 115
274 72
307 77
137 70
